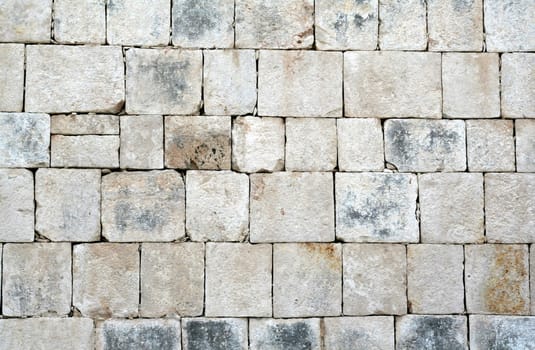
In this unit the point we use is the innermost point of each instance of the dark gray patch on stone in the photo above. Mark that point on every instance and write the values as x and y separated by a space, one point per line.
127 217
508 334
194 18
432 333
399 136
462 5
441 139
211 335
141 337
295 336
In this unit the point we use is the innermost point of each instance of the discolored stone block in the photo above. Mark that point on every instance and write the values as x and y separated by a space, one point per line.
490 145
214 333
11 77
489 332
80 21
518 84
403 25
158 334
509 25
87 151
414 332
84 124
141 142
525 145
349 333
360 145
280 334
16 205
27 21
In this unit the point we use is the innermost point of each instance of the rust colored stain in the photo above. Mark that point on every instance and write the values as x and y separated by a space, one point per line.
328 253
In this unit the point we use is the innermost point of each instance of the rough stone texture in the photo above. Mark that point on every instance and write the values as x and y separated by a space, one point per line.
414 332
197 142
471 85
203 23
307 280
84 124
26 21
455 25
278 24
162 334
501 332
403 25
490 145
346 25
425 145
435 279
228 293
68 204
360 145
80 21
451 208
87 151
284 76
509 25
11 77
532 279
36 279
24 140
45 333
16 205
143 206
258 144
374 279
497 279
525 145
510 208
229 82
106 279
166 81
292 207
376 207
217 206
518 84
63 79
310 144
350 333
141 142
392 85
214 334
280 334
138 22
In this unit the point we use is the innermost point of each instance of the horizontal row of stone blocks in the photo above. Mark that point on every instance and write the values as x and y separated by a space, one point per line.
64 79
287 280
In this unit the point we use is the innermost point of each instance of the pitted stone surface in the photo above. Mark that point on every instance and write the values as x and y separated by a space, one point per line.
414 332
518 84
501 332
86 151
490 145
360 145
143 334
403 25
26 21
509 25
141 142
84 124
281 334
525 145
16 205
80 21
11 77
214 334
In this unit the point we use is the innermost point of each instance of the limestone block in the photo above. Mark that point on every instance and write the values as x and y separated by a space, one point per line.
525 145
26 21
214 333
360 145
518 85
509 25
86 151
158 334
141 142
11 77
16 205
279 334
349 333
489 332
80 21
490 145
532 280
415 332
403 25
84 124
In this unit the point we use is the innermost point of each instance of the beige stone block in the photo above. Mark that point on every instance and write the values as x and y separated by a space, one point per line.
525 145
518 85
141 142
84 124
80 21
86 151
349 333
490 145
16 206
360 145
509 25
403 25
11 77
27 21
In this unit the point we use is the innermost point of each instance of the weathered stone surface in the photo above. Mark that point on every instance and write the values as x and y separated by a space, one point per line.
229 82
435 279
26 21
346 25
501 332
16 205
497 279
143 206
349 333
217 206
455 25
141 141
172 279
376 207
525 145
166 81
258 144
36 279
228 293
278 24
280 334
451 208
203 23
509 25
24 140
84 124
160 334
300 83
214 333
63 79
68 204
374 279
11 77
510 208
106 279
490 145
136 22
360 145
392 84
43 333
403 25
292 207
80 21
87 151
310 144
425 145
307 280
197 142
414 332
471 85
518 84
532 279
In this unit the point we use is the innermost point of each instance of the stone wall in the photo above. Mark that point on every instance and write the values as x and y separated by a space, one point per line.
267 174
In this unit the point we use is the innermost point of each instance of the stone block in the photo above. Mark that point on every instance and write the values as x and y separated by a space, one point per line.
11 77
80 21
415 332
490 145
141 142
280 334
509 25
532 279
16 206
489 332
214 333
518 84
349 333
403 25
525 145
84 124
86 151
27 21
146 334
360 145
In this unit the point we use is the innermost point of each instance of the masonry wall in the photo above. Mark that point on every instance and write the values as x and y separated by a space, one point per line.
254 174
